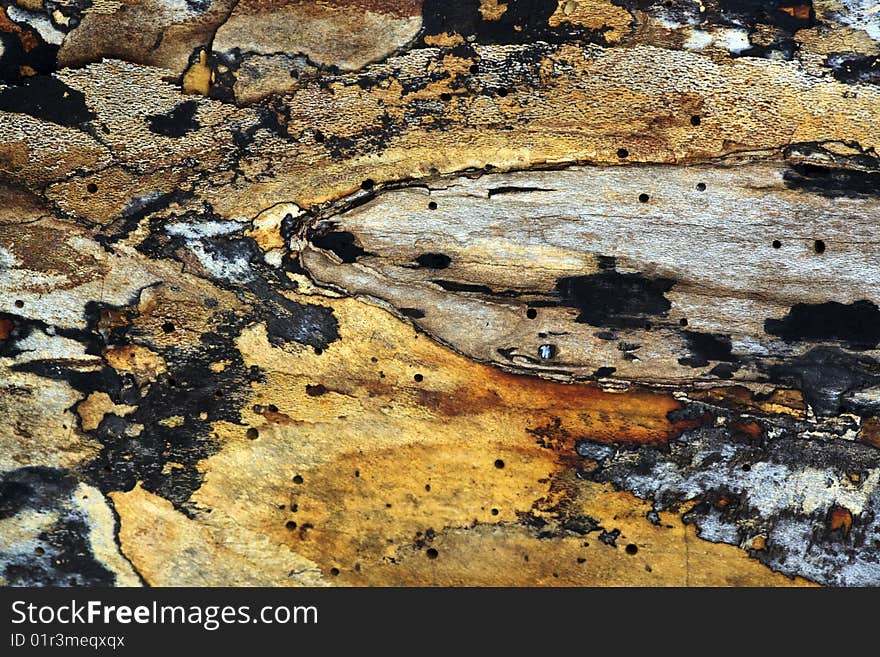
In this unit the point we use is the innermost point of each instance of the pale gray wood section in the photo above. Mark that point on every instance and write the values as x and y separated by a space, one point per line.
709 228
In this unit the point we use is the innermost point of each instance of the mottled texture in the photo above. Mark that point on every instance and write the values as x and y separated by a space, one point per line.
511 292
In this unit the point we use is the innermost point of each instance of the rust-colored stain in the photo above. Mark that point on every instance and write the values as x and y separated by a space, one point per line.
749 430
186 401
840 518
26 37
802 12
870 432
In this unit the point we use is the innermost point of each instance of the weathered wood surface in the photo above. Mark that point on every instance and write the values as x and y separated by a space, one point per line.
240 345
655 274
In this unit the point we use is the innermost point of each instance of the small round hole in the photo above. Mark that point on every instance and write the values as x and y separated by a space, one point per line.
91 188
502 92
318 351
695 120
819 246
368 184
431 553
319 136
168 327
622 153
290 524
19 303
644 198
632 548
334 571
298 479
39 551
531 313
252 434
418 378
499 463
445 97
746 467
432 205
777 244
701 187
494 512
473 68
683 321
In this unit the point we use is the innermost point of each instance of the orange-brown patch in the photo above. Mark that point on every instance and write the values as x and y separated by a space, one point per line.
801 12
143 363
27 38
749 430
840 518
870 432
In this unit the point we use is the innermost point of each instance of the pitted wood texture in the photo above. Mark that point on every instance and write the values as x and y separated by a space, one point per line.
480 293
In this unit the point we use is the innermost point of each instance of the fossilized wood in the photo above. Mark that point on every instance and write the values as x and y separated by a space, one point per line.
239 345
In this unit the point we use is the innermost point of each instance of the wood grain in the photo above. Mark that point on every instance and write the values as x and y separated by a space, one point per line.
427 293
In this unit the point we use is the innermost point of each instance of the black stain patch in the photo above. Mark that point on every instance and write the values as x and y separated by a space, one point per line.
724 370
604 372
454 286
49 99
374 139
66 559
176 123
16 57
854 68
137 209
14 329
273 117
433 260
35 488
290 321
831 181
286 320
580 525
827 376
775 20
189 391
63 556
787 15
414 313
706 347
614 300
856 325
523 21
140 446
498 191
610 538
342 243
